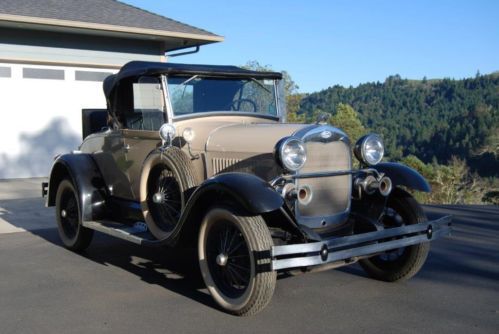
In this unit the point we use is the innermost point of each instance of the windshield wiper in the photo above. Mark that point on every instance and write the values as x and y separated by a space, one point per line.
189 80
185 83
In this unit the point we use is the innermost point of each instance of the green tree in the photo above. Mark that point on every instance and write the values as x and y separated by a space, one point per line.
451 184
347 119
293 98
429 119
293 107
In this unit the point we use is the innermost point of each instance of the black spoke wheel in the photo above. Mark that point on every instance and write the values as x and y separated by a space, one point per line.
234 257
166 181
68 215
401 263
164 197
228 259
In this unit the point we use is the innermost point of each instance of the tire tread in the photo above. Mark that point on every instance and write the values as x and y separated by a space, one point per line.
265 281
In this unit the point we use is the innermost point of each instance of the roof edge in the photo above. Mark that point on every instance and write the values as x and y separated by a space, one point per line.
34 61
108 27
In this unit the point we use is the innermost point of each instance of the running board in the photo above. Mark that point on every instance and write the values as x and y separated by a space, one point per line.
138 233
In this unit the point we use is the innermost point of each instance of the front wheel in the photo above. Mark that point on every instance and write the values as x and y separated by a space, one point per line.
402 263
234 257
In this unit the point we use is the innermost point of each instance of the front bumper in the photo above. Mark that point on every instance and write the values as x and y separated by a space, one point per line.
359 245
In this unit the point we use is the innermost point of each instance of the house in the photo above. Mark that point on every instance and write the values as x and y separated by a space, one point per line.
54 55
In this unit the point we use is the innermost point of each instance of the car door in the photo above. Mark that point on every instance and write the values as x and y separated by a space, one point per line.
107 149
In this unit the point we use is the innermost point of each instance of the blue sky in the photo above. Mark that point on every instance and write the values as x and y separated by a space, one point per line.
324 43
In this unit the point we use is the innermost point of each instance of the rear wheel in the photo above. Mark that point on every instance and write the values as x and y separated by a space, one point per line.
234 257
68 215
402 263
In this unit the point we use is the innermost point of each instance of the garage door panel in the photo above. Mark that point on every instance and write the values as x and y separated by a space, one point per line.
42 117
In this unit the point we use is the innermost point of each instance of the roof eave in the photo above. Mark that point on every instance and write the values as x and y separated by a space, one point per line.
202 38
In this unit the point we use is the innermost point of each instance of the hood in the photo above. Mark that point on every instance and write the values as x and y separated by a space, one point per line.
250 138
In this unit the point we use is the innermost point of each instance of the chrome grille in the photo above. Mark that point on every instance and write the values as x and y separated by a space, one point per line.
331 195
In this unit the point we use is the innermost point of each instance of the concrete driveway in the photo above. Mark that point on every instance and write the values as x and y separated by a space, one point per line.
118 287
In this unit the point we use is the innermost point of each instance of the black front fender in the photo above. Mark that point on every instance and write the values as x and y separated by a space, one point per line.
402 175
251 192
83 172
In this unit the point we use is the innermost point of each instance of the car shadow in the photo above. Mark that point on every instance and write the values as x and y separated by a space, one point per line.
174 269
39 149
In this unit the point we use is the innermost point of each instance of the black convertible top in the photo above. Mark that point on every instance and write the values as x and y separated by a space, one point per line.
140 68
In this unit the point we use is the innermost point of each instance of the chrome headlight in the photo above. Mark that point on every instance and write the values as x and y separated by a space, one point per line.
167 132
291 153
369 149
188 135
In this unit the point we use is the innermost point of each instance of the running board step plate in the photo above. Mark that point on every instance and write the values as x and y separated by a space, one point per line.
137 233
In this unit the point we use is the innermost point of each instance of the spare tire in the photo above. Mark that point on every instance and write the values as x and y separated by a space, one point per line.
166 180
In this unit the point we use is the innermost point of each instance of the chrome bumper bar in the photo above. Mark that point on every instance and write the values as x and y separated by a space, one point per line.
359 245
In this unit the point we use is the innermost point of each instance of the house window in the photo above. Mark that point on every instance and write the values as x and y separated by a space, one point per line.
5 72
42 73
91 76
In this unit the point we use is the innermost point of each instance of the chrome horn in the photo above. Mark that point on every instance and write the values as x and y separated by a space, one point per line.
385 186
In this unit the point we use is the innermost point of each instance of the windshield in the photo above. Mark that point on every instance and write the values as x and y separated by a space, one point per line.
195 94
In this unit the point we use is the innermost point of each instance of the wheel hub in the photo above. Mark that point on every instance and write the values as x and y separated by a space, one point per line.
222 259
64 214
158 198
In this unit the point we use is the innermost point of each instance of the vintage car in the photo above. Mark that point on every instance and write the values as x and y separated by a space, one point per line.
201 156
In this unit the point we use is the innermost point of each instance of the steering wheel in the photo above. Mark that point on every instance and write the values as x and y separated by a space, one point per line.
131 123
236 104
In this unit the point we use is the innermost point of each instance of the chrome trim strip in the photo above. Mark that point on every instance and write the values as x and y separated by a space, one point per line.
225 113
280 113
313 132
356 244
319 174
324 174
114 232
167 101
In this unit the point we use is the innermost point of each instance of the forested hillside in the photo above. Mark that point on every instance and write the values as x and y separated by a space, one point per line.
431 119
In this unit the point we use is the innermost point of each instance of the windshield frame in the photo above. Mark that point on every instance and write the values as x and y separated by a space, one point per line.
171 117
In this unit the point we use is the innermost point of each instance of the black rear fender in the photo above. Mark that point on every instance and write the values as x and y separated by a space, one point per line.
82 171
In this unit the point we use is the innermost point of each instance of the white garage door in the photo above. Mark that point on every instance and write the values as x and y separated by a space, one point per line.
40 110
